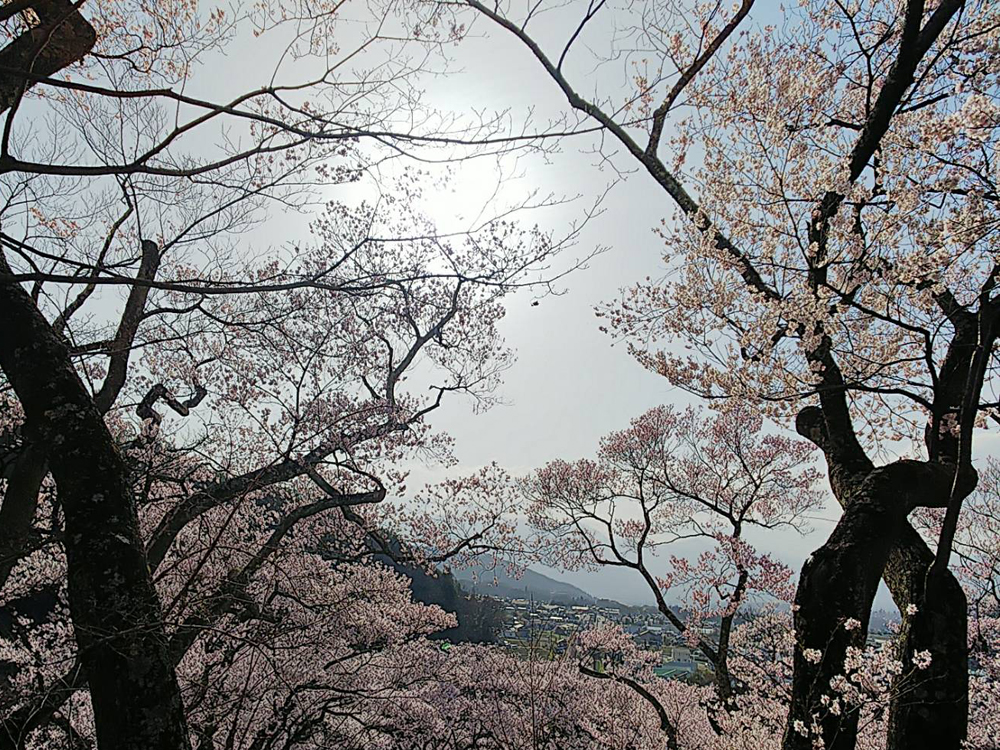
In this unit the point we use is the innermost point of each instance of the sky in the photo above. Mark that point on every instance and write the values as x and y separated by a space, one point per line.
571 383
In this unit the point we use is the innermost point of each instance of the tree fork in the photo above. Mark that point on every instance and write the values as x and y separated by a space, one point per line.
62 38
838 581
873 540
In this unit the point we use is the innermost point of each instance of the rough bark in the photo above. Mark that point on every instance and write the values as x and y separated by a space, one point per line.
932 710
115 610
62 38
938 708
872 539
838 581
120 348
29 468
19 504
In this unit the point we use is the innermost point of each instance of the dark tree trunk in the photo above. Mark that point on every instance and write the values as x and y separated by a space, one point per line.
63 37
19 504
930 707
839 581
115 610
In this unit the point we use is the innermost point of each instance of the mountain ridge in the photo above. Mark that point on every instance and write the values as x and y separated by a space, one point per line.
530 584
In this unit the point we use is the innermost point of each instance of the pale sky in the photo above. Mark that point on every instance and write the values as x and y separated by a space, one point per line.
570 385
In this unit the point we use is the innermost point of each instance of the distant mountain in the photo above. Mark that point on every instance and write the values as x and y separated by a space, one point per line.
531 585
479 618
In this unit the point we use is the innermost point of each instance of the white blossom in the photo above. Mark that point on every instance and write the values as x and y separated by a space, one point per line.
922 659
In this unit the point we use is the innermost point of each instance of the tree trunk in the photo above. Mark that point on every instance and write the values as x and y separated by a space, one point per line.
115 610
943 633
929 707
839 581
63 37
19 504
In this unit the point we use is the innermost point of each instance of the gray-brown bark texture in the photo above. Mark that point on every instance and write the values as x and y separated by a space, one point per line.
839 581
62 38
115 611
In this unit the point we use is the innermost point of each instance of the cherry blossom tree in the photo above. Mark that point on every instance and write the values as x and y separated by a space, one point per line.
676 476
833 171
299 392
288 364
492 699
